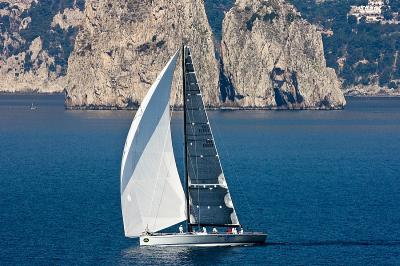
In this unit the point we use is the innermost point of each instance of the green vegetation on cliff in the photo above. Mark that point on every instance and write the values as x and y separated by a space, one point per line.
364 53
361 53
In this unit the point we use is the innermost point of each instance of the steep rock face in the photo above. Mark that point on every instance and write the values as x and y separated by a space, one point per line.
125 44
34 51
273 58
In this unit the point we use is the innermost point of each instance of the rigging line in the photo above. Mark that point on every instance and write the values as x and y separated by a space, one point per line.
235 176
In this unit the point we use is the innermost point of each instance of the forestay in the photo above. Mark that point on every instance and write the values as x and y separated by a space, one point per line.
152 196
210 201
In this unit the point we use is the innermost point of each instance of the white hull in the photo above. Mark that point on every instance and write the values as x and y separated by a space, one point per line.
203 240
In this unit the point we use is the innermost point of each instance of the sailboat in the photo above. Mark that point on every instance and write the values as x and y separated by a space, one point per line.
33 107
152 194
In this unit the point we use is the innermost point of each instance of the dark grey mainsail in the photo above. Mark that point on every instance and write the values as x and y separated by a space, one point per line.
208 195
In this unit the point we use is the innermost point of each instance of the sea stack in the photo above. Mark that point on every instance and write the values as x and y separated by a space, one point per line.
123 45
274 58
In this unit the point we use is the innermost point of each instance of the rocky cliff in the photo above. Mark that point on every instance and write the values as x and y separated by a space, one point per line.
274 58
123 45
34 47
271 57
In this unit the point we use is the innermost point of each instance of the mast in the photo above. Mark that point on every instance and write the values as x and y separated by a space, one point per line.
189 226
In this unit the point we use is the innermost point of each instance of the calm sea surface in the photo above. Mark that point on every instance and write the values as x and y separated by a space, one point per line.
325 185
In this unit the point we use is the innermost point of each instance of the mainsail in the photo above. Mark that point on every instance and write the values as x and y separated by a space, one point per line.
152 196
209 199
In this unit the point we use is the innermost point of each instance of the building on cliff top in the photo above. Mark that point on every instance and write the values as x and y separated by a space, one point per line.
375 11
372 12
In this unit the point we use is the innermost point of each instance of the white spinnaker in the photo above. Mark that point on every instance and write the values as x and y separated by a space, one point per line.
152 196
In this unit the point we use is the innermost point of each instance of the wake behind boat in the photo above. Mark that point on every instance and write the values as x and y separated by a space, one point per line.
152 195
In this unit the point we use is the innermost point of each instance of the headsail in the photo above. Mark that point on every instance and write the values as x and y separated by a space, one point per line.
209 197
152 196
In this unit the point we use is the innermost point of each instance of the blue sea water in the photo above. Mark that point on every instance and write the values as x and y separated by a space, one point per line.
325 185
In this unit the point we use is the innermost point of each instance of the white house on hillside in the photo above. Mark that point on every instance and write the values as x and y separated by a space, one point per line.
372 12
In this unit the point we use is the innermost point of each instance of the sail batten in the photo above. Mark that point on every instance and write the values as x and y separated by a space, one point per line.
152 196
209 198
